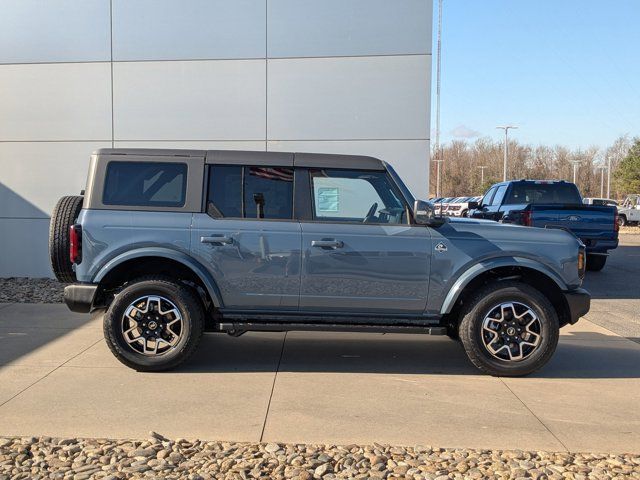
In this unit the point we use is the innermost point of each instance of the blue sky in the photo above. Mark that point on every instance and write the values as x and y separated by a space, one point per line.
565 71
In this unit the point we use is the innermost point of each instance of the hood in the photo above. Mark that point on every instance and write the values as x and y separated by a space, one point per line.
509 232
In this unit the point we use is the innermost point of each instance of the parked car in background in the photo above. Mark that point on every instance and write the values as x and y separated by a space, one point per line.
440 205
599 201
171 243
629 210
553 204
459 207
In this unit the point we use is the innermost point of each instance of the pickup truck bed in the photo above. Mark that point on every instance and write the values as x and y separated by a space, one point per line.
594 225
553 204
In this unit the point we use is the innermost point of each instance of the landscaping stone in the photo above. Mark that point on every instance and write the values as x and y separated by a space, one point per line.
160 457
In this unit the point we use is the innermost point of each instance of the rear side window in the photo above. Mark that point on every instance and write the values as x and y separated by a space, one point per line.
145 184
250 192
543 193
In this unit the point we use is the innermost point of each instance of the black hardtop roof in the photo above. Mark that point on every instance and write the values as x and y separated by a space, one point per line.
239 157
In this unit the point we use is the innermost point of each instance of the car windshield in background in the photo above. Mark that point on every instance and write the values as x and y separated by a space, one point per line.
543 193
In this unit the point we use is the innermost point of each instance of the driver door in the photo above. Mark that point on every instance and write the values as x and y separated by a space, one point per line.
360 254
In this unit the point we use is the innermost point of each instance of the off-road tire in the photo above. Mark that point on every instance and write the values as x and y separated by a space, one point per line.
187 302
482 302
64 215
595 263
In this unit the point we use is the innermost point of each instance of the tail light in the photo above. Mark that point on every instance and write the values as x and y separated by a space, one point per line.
616 225
75 244
526 218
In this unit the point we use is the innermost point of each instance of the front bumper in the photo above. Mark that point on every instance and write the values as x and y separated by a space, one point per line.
79 297
578 301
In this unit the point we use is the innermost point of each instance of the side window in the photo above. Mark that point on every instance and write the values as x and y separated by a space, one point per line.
486 200
497 198
141 184
355 196
224 197
268 192
250 192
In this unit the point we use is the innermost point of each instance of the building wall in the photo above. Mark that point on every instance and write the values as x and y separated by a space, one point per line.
339 76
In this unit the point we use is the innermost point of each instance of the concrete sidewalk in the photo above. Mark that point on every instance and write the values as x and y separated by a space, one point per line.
58 378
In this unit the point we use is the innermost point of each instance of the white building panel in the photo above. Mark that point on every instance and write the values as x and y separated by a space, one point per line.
349 98
67 101
54 31
197 29
312 28
193 100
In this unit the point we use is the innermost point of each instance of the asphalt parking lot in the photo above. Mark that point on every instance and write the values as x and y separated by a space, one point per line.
58 378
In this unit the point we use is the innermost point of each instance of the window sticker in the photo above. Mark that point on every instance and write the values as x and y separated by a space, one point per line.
328 199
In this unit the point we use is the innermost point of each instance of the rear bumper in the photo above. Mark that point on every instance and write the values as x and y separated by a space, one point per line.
79 297
599 246
579 301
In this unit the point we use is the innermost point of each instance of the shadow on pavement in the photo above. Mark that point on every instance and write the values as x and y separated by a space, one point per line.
619 278
581 355
30 328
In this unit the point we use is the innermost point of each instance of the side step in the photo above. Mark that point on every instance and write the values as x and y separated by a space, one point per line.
238 328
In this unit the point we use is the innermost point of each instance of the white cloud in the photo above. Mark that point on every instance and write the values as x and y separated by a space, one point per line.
462 131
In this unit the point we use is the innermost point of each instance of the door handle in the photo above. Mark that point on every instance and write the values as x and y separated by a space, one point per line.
327 243
217 240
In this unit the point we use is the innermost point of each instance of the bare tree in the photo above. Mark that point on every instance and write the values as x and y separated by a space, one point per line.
461 175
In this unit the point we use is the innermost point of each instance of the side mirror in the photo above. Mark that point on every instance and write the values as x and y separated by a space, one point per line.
473 205
425 214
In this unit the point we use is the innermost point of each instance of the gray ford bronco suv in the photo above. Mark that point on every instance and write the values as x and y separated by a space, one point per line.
172 243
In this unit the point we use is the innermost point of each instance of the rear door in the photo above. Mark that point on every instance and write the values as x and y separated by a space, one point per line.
360 254
247 237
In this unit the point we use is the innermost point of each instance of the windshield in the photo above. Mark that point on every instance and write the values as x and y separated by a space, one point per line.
543 193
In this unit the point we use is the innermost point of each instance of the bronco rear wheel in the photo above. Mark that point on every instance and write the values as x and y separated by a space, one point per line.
64 215
154 324
509 329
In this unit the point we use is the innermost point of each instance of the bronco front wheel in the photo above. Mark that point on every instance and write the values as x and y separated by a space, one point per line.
154 324
509 329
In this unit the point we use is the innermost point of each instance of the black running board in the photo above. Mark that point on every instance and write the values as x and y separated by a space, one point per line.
238 328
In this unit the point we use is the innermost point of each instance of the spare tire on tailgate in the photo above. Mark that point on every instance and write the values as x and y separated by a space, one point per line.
64 215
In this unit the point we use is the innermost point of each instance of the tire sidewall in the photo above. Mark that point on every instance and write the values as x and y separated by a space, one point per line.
471 329
114 315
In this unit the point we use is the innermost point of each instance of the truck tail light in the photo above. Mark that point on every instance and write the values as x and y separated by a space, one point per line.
75 244
616 225
526 218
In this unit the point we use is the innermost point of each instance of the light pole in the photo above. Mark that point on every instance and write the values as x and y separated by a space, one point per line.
602 168
608 176
438 54
575 169
482 167
506 148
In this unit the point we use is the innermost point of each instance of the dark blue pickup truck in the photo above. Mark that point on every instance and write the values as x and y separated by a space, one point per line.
553 204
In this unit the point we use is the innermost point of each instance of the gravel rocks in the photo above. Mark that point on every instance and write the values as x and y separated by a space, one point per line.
162 458
30 290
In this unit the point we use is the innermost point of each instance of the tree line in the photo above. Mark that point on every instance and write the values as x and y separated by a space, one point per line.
461 174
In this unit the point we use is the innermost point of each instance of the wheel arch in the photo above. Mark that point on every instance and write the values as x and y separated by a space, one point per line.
158 261
532 273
